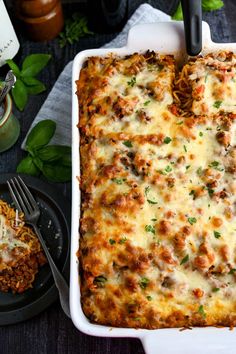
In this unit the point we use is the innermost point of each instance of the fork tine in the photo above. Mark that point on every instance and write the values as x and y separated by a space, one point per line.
26 202
13 195
28 193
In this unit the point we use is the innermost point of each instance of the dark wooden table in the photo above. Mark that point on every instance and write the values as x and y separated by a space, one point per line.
51 332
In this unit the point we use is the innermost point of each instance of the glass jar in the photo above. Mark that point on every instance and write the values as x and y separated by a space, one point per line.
9 125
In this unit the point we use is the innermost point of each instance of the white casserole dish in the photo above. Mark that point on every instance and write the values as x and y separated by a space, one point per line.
165 37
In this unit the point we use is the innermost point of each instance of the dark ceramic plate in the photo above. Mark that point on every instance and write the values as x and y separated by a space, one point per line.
54 225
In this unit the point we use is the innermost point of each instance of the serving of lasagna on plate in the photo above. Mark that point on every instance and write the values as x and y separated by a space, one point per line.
158 182
21 254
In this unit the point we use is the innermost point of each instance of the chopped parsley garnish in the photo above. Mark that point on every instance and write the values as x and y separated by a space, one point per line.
185 259
168 169
210 191
128 143
150 228
187 167
165 171
217 104
100 280
217 234
167 140
192 193
149 297
201 311
232 271
179 123
146 103
215 290
111 241
201 134
199 171
151 201
132 82
118 180
143 282
185 148
216 166
154 219
147 189
122 240
192 221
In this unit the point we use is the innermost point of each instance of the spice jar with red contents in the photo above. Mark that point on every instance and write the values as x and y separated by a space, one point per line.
42 19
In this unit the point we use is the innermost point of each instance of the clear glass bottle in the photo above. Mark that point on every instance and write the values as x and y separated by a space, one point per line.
9 44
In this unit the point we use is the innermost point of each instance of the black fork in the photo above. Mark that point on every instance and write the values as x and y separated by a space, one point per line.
25 203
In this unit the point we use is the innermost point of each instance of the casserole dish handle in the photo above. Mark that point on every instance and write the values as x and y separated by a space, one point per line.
195 341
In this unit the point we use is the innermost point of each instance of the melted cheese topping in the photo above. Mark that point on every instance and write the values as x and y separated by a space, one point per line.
8 241
214 84
158 227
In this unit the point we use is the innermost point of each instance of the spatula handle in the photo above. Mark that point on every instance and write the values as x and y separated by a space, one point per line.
192 12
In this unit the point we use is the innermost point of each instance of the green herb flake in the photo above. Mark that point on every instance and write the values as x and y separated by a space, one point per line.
132 82
119 180
150 228
216 166
168 169
185 259
185 148
128 143
167 140
154 219
151 201
201 134
179 123
199 171
111 241
147 189
143 282
210 191
122 240
187 167
149 297
147 103
192 221
201 311
217 104
232 271
217 234
192 193
100 281
215 290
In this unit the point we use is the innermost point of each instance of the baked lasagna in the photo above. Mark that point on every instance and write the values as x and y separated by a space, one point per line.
21 254
158 183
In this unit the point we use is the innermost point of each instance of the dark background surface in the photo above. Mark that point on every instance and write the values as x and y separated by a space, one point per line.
51 332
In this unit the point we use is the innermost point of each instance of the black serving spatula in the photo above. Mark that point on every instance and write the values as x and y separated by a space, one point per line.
192 13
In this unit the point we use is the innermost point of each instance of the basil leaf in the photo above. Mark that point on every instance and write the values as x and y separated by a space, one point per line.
34 63
57 172
53 152
210 5
178 15
15 68
66 160
28 167
19 94
38 163
33 86
40 135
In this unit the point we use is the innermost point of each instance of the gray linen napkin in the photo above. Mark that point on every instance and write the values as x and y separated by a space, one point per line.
56 109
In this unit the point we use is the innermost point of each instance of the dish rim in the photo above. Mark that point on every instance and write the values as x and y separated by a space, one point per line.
140 39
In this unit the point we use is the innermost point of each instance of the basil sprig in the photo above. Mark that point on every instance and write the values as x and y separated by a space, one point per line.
26 83
51 161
